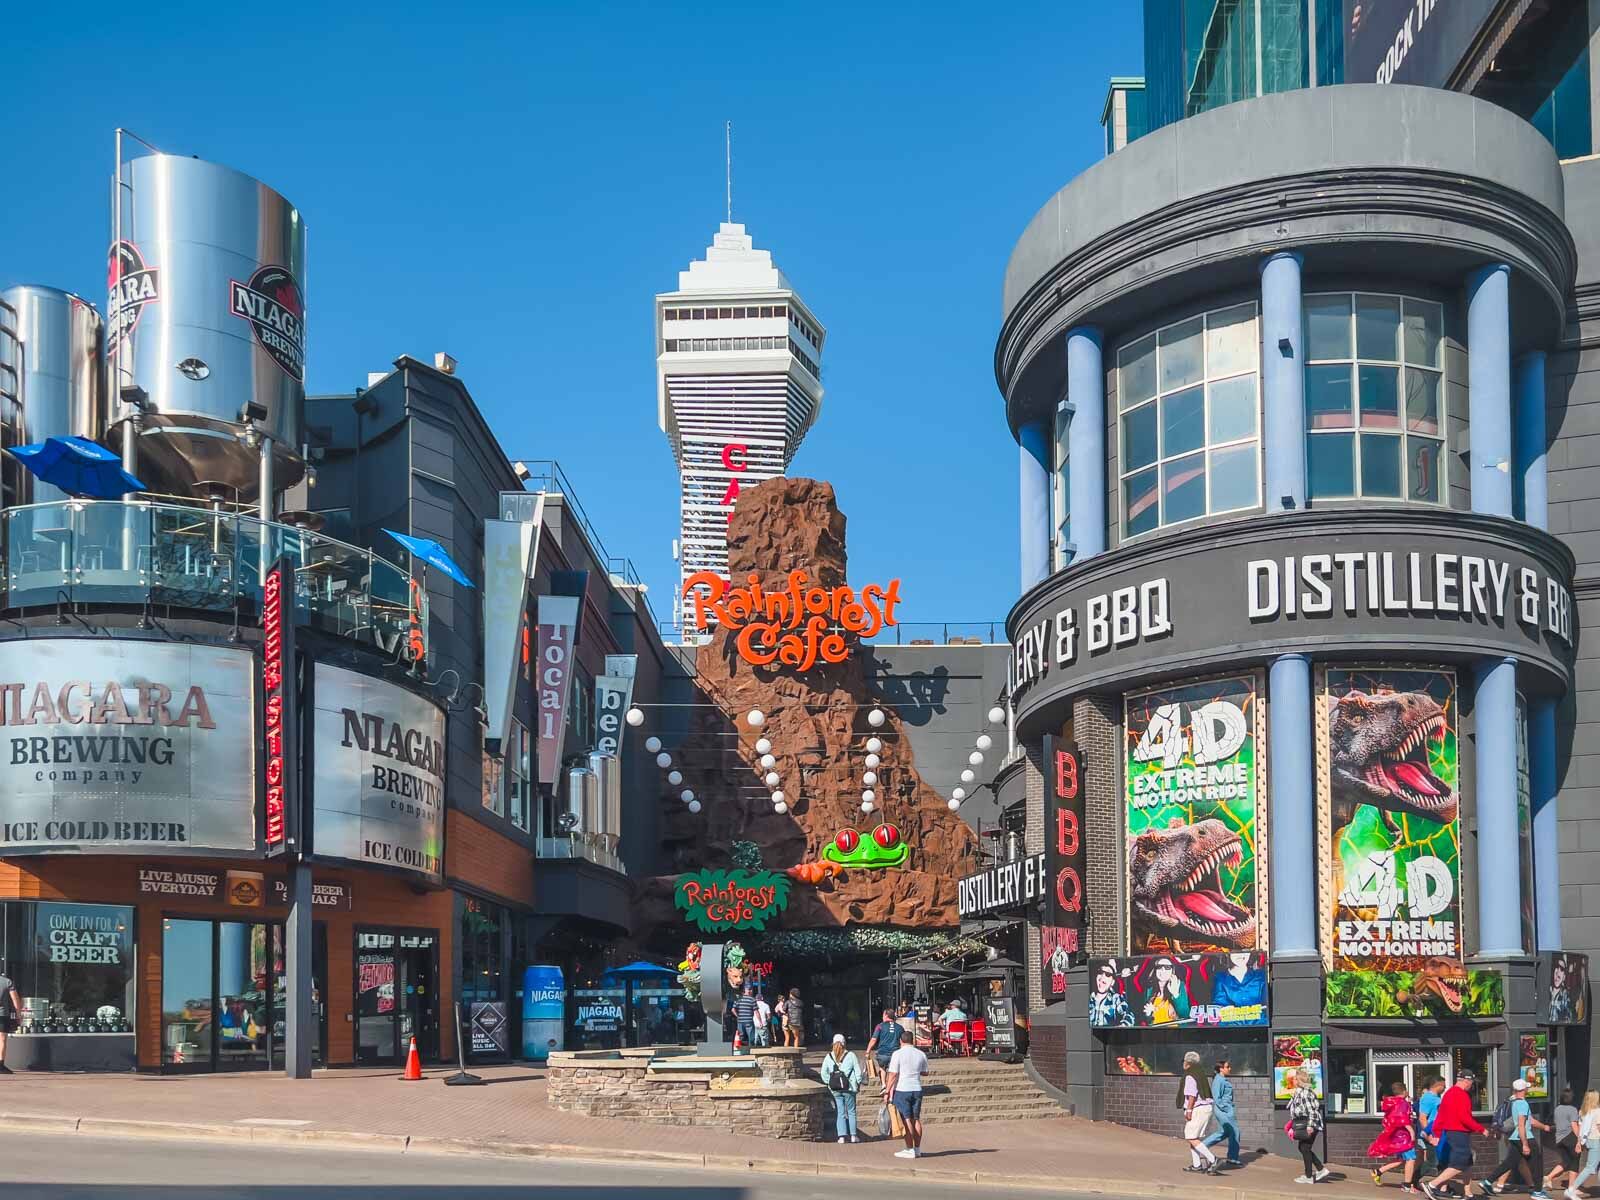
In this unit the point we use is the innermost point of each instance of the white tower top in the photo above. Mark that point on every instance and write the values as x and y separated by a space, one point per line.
738 384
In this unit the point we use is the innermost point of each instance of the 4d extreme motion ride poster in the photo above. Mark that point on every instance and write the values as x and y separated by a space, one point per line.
1191 817
1390 805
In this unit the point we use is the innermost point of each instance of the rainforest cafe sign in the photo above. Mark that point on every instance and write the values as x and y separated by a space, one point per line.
738 899
797 626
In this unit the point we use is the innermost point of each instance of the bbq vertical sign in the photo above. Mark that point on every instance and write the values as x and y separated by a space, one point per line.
280 709
1064 861
552 678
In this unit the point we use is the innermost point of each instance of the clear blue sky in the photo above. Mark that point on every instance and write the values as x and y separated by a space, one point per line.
513 184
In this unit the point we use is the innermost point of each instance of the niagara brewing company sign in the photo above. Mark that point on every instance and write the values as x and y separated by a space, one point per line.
797 625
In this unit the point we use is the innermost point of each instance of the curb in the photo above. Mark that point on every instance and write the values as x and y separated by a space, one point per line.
422 1144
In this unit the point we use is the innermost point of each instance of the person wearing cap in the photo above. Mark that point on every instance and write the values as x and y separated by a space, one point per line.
841 1075
1523 1152
1454 1126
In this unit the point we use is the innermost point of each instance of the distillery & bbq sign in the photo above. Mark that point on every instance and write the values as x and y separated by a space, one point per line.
114 746
1452 583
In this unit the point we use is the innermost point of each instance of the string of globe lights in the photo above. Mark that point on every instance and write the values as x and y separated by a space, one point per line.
969 774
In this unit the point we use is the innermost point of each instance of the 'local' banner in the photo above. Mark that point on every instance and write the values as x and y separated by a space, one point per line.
552 679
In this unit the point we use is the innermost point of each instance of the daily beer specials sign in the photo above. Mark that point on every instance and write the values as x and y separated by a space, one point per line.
126 747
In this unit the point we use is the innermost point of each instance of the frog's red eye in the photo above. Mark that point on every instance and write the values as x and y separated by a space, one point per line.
887 836
847 840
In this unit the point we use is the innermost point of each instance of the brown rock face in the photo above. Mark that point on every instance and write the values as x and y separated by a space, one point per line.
817 723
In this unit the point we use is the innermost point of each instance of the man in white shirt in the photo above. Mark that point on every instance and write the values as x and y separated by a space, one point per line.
763 1020
902 1087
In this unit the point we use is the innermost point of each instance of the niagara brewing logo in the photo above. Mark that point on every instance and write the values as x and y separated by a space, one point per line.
130 285
275 307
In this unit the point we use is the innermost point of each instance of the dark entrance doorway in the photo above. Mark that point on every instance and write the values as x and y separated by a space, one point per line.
397 993
224 994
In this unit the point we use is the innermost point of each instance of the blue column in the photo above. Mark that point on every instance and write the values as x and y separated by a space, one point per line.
1086 442
1035 502
1283 382
1294 808
1489 388
1530 444
1494 716
1546 845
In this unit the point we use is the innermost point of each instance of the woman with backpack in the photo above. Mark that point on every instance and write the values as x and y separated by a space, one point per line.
1398 1140
841 1075
1194 1097
1305 1125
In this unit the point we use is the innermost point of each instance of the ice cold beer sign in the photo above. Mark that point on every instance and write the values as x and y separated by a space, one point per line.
1351 581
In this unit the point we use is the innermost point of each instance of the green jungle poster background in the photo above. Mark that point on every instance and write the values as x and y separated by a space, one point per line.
1238 883
1411 837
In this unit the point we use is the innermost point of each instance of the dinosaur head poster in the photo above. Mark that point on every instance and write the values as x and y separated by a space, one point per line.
1389 775
1191 776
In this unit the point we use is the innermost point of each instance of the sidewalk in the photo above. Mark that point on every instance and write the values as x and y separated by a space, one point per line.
373 1109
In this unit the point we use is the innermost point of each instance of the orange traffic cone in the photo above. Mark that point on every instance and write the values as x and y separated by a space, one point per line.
413 1063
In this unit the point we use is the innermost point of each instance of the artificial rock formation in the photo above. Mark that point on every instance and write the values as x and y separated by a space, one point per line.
817 723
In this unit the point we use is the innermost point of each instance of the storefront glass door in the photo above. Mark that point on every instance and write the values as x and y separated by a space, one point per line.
186 993
397 974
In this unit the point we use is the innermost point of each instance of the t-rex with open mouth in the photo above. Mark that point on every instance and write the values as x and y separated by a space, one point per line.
1440 978
1175 885
1379 750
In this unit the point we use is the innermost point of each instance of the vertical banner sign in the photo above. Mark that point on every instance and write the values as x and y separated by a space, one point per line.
510 549
1530 938
552 677
1062 931
1390 775
1191 817
613 693
278 686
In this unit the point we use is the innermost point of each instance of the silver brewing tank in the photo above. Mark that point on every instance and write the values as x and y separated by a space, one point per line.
608 787
581 800
61 375
206 314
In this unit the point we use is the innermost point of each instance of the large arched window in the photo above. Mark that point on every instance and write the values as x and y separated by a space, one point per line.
1188 427
1374 398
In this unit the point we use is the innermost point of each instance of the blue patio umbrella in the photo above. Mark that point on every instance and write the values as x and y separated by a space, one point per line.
431 554
78 467
639 970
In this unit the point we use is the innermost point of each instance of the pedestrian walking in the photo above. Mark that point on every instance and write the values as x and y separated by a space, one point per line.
763 1020
1454 1126
1565 1123
10 1012
841 1075
1305 1125
1222 1109
1589 1139
794 1021
885 1040
1427 1109
1194 1097
744 1014
1524 1154
902 1087
1397 1142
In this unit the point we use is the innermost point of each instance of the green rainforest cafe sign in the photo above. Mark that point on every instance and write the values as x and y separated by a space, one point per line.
714 901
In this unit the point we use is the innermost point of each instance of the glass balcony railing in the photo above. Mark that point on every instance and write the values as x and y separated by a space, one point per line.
139 552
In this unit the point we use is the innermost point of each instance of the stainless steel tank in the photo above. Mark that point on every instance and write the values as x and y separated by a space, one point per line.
61 373
608 788
581 800
206 314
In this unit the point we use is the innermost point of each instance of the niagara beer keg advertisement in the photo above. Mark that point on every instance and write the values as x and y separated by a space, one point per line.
123 746
378 773
1191 812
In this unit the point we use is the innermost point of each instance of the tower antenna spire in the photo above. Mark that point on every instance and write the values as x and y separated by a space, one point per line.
727 154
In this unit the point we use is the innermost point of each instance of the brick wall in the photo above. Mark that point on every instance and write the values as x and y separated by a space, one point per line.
1146 1102
1033 842
1096 727
1047 1050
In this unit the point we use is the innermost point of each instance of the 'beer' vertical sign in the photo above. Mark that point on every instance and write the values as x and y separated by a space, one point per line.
282 719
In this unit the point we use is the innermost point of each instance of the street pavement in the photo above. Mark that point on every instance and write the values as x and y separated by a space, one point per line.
424 1127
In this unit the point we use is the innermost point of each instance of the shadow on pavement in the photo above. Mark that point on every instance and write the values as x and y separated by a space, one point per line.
106 1191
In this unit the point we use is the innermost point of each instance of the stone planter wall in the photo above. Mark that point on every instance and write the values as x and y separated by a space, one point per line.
768 1095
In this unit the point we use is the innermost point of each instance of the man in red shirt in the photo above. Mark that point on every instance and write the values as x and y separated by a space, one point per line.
1455 1125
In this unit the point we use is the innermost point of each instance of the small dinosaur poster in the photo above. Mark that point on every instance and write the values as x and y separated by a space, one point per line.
1191 817
1390 774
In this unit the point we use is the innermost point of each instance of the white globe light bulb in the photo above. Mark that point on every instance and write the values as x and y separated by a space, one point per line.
694 806
663 760
635 717
867 806
652 744
780 808
870 778
686 796
777 797
968 776
984 741
674 777
756 718
875 717
975 757
959 794
768 761
772 779
996 715
954 805
868 796
763 746
874 745
873 760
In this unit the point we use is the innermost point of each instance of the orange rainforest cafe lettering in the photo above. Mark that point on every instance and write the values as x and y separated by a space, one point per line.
728 903
795 626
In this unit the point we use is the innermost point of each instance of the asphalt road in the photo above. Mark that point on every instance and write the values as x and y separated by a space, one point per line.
73 1167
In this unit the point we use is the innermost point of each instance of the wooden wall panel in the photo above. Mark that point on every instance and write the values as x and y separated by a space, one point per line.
486 860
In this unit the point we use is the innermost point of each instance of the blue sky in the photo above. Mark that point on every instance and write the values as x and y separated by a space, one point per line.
513 184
